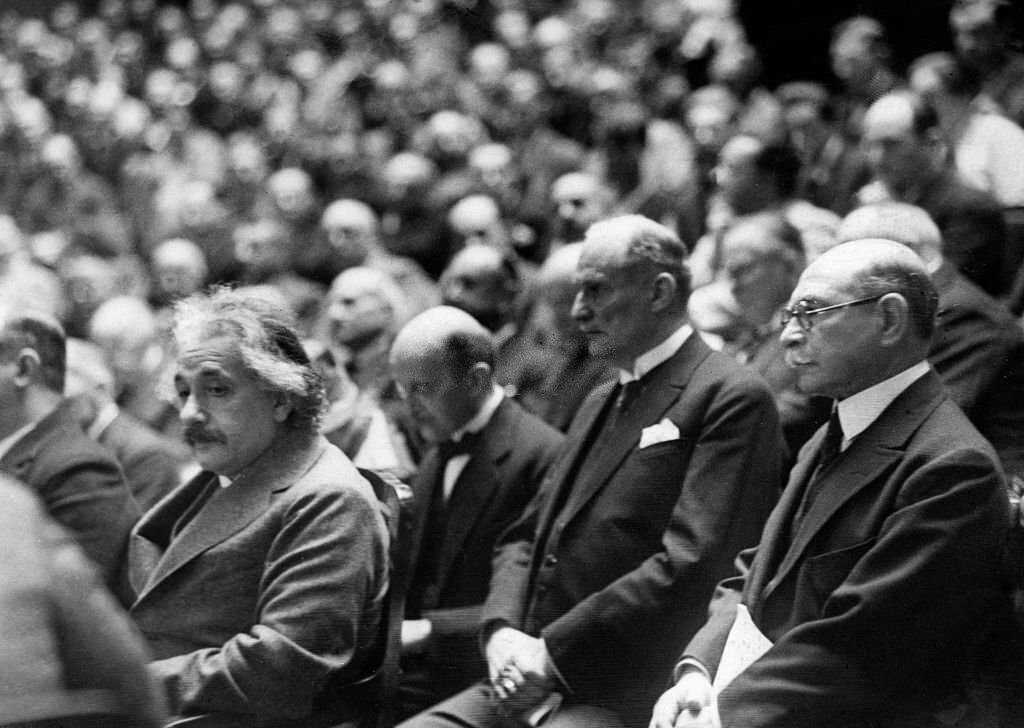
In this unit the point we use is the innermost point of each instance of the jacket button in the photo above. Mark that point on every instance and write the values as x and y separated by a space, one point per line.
550 560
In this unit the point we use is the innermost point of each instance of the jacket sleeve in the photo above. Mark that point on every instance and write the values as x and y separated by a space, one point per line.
317 616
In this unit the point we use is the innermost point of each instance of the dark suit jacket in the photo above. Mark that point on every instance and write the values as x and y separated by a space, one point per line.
82 487
876 604
64 643
553 383
978 351
271 592
152 462
504 470
616 578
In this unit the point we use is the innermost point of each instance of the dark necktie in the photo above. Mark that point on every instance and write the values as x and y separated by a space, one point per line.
831 448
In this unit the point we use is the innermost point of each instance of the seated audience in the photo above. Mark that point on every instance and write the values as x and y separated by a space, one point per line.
486 459
978 347
877 576
42 445
260 583
153 463
611 565
910 164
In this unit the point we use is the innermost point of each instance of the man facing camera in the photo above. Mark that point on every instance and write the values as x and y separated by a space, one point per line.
261 581
663 472
486 459
877 574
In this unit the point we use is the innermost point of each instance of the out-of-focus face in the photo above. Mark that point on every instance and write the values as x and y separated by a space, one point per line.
438 402
736 177
178 271
356 312
898 156
759 277
350 228
853 60
228 417
711 126
610 306
578 204
475 283
832 357
292 192
976 37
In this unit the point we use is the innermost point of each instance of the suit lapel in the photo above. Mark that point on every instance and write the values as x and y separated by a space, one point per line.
230 509
775 538
860 466
584 425
475 487
660 391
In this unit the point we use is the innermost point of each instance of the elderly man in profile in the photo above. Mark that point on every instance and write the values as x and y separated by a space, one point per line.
877 575
663 472
261 581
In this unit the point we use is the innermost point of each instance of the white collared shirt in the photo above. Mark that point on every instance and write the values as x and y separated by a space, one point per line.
107 414
658 355
858 411
454 467
11 440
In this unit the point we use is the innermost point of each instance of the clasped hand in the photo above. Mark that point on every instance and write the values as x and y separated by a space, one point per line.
690 703
518 668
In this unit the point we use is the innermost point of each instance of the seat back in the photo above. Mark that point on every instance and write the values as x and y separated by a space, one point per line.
380 690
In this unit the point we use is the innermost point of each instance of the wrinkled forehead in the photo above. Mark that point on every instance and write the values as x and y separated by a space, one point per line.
208 351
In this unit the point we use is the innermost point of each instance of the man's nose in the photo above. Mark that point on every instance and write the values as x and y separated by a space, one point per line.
792 333
580 311
190 411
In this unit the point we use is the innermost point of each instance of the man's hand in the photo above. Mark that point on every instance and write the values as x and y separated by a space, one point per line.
690 703
518 665
415 635
501 649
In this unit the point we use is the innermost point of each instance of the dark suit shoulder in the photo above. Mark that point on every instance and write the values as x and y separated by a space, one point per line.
530 433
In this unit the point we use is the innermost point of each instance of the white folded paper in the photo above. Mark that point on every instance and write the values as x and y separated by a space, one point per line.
744 645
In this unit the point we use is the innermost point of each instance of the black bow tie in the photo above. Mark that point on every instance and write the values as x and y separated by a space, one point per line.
450 448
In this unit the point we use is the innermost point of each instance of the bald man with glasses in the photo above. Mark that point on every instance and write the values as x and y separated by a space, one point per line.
877 575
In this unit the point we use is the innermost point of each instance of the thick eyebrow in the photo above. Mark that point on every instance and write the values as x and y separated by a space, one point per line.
205 371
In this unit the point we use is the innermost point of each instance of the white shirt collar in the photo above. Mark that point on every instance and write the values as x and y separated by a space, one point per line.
658 355
859 410
107 414
11 440
483 415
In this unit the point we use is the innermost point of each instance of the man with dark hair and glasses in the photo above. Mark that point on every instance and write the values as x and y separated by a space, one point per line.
877 575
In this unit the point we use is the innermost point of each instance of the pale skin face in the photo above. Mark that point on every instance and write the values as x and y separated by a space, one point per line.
229 418
611 305
837 356
438 402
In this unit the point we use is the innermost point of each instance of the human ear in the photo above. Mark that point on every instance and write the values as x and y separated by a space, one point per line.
283 407
895 313
663 293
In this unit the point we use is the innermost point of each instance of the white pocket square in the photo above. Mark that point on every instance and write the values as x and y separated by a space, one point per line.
664 431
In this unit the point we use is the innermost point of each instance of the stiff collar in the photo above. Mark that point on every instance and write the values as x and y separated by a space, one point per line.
483 415
658 355
858 411
11 440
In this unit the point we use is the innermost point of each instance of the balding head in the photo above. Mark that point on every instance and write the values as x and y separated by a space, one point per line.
442 361
364 304
864 311
897 221
483 281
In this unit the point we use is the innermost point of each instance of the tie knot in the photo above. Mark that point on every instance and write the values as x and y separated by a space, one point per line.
628 392
832 445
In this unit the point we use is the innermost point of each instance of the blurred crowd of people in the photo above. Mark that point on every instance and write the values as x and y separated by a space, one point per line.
360 162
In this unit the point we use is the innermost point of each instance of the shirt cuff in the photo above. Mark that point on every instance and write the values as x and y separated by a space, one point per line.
689 664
